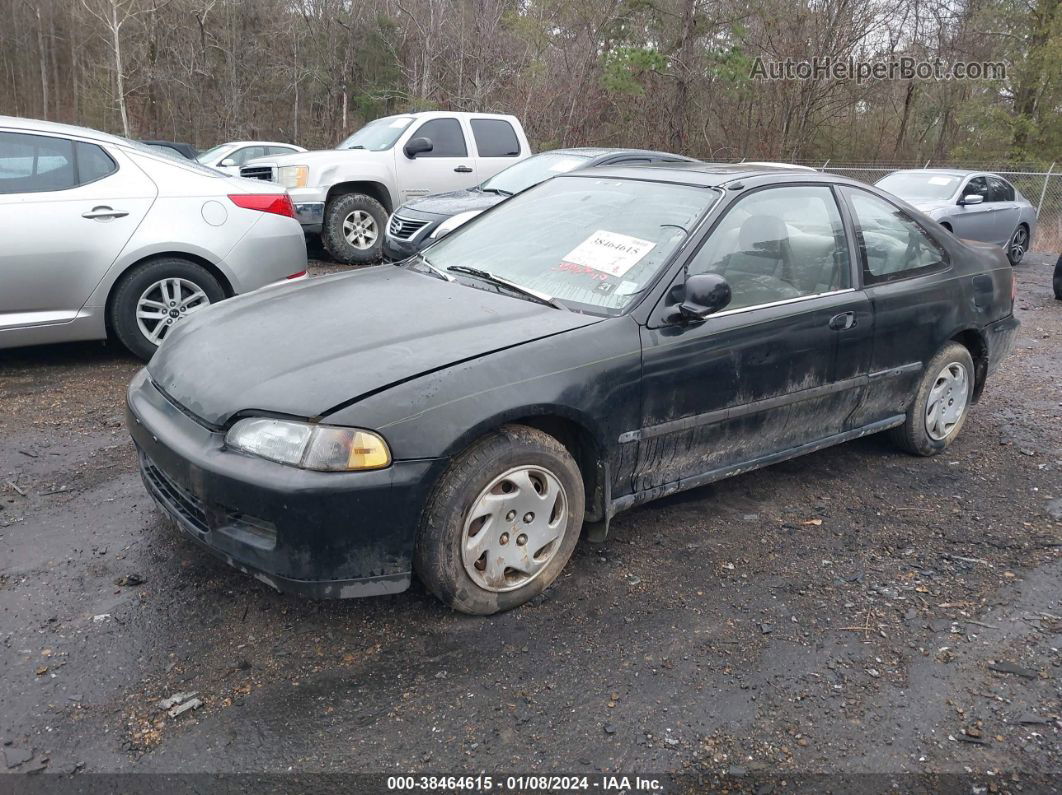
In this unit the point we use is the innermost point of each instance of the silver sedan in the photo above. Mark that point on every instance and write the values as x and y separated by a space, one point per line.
974 205
106 237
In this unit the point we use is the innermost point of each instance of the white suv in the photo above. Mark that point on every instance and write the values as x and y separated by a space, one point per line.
346 194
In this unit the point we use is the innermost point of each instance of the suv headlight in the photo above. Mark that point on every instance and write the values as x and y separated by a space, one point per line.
293 176
324 448
451 223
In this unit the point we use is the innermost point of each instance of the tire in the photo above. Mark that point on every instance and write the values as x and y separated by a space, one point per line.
502 467
1018 245
360 217
925 434
169 280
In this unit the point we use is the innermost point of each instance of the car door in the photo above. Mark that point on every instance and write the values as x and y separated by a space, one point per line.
762 377
448 166
1005 210
68 209
497 146
909 282
974 221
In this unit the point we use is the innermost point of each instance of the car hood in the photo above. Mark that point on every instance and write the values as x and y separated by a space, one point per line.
452 203
303 350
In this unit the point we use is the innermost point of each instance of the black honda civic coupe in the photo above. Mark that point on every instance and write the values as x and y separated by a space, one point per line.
605 338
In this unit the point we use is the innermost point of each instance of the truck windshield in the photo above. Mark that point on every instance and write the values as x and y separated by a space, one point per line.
376 136
590 244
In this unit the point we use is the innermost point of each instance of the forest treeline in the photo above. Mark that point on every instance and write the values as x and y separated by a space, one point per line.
670 74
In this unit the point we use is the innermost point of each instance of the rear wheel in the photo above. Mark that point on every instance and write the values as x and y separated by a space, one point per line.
153 298
502 522
353 229
940 405
1019 244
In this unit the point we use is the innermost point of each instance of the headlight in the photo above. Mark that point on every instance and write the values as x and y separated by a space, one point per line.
293 176
451 223
301 444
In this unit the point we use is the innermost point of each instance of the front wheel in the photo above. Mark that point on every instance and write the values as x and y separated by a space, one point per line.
502 521
353 229
938 412
1019 244
153 298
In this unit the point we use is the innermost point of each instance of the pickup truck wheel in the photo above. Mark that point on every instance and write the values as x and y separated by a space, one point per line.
502 522
938 411
152 299
353 228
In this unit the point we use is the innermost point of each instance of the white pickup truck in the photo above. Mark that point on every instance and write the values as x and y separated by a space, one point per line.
346 194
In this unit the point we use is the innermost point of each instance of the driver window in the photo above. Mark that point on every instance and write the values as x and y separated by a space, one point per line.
446 136
778 244
979 186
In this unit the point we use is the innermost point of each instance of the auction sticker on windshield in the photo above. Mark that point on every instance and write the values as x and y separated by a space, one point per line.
609 252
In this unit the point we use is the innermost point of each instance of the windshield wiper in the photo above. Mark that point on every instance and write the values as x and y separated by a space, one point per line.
501 281
499 191
356 146
435 271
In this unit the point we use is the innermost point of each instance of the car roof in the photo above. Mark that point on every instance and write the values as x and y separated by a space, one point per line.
947 172
55 128
694 172
254 143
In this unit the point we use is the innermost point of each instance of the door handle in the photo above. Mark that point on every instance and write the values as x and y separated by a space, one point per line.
463 170
103 213
843 321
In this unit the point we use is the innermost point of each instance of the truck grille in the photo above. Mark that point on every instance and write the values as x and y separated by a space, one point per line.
404 228
265 173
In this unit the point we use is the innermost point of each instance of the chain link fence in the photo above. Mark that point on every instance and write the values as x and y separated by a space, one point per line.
1042 188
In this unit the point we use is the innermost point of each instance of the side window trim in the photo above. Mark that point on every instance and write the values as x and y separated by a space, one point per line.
868 279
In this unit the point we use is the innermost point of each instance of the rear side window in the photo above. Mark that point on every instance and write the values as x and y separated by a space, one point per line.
36 163
495 138
93 163
1001 190
891 243
446 136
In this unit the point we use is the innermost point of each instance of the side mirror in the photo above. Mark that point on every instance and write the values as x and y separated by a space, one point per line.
416 146
971 198
228 161
703 294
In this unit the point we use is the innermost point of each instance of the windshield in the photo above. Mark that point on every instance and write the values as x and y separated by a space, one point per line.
376 136
919 187
210 154
592 244
521 176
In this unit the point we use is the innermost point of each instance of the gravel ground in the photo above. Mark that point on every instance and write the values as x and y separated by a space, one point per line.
853 611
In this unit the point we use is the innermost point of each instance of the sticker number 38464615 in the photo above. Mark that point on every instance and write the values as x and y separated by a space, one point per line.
609 252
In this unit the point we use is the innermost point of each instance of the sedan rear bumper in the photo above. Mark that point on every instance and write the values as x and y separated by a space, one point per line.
325 535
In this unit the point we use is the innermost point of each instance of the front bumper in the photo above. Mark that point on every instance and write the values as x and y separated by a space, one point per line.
320 534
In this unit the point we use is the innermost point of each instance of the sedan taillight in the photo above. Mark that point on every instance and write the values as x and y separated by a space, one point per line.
276 203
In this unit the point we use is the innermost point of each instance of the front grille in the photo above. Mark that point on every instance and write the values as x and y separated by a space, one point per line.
265 173
404 228
177 499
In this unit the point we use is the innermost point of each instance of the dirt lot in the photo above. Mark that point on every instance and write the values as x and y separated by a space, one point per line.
854 611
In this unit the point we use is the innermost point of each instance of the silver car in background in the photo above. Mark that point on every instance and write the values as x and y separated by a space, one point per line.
103 237
974 205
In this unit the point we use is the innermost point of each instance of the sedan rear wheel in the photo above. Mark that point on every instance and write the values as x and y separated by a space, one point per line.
502 521
1019 244
940 405
151 300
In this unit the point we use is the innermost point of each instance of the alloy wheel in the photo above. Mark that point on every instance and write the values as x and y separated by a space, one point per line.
514 529
947 401
1018 244
165 303
359 228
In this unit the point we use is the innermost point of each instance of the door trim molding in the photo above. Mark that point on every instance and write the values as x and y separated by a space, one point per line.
757 406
